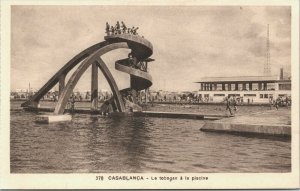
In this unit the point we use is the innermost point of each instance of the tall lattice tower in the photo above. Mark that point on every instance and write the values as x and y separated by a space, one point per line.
267 66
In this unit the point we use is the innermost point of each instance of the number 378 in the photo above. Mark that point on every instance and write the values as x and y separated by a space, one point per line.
99 178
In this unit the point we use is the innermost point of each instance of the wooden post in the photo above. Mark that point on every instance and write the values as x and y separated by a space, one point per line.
94 87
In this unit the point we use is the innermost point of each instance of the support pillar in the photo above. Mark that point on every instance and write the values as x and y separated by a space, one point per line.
250 86
210 88
236 86
265 86
259 86
61 84
223 87
244 86
201 86
146 95
229 87
94 87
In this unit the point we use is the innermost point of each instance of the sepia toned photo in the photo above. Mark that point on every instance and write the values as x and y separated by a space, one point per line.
149 93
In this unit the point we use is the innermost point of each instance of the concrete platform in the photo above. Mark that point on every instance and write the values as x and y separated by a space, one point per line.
53 118
272 122
199 116
179 115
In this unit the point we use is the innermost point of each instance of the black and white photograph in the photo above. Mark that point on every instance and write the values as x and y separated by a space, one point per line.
167 94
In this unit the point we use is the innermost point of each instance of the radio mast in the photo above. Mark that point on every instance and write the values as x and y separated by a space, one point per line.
267 66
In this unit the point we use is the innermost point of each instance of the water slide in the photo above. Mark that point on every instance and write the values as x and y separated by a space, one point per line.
141 50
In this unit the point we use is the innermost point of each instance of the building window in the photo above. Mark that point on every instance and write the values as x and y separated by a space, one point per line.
266 96
282 95
250 95
261 95
219 87
271 86
232 86
285 87
219 94
233 95
254 86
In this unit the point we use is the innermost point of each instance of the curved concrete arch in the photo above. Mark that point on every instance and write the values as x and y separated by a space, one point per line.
63 99
63 71
112 83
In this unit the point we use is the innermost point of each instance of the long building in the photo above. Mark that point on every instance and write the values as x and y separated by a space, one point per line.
251 89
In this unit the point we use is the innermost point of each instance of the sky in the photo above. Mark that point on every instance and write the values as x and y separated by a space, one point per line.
189 42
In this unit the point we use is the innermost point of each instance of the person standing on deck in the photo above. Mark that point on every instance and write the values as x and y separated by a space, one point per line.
234 101
277 102
271 102
227 99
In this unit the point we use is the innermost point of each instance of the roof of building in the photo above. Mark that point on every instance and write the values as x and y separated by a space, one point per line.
240 79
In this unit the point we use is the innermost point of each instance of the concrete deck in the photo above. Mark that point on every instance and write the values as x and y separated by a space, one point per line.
272 122
50 118
160 114
179 115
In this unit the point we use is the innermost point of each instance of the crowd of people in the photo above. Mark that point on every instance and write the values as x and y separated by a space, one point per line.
280 101
120 29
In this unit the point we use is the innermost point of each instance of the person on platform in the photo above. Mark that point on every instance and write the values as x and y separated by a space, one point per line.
139 65
131 30
112 30
118 29
131 60
124 28
107 29
134 31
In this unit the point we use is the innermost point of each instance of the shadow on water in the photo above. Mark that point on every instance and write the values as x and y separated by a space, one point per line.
282 138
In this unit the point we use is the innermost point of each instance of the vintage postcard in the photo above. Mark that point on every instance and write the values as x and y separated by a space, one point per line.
150 94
